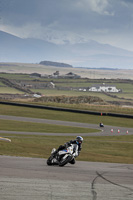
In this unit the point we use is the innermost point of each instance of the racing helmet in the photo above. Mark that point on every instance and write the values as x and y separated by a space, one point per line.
79 139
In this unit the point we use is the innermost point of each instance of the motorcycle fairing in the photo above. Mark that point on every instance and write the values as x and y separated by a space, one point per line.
64 151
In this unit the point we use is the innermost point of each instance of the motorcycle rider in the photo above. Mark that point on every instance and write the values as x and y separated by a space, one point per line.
101 125
77 141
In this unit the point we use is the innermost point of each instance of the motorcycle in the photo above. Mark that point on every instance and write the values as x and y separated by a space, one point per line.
101 125
64 156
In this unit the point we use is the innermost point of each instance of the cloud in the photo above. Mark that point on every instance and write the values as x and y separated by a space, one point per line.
127 1
99 6
24 31
37 31
74 21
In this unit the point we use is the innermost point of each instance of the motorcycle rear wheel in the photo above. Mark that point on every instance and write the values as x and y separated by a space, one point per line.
64 162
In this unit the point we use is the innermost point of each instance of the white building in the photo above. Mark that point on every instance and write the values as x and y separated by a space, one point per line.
104 88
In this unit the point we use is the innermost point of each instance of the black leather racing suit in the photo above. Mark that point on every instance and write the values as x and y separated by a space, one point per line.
71 142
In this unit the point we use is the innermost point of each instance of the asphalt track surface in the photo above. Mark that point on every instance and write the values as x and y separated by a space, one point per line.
31 178
106 131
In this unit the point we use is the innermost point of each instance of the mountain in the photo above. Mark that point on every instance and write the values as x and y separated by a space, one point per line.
15 49
91 54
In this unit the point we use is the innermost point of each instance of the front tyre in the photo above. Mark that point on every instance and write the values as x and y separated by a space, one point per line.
49 161
64 162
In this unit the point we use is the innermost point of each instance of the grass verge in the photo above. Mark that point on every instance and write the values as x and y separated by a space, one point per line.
64 116
11 125
118 149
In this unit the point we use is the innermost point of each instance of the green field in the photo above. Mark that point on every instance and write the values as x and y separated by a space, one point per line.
96 149
16 76
9 90
70 87
11 125
63 116
117 149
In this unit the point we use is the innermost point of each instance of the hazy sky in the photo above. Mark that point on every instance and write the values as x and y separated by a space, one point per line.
60 21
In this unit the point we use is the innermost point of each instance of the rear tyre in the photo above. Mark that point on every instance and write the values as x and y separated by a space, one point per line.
64 162
72 161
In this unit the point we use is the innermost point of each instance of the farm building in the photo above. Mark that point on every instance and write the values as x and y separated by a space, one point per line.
72 75
104 88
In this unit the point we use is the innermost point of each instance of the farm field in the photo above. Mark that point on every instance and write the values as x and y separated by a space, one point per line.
65 87
9 90
27 68
17 84
103 96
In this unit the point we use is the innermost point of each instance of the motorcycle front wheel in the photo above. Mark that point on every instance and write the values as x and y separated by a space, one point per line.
49 161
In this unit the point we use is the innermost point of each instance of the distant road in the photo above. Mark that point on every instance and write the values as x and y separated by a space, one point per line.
106 131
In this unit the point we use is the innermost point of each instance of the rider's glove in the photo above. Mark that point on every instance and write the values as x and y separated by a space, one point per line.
67 144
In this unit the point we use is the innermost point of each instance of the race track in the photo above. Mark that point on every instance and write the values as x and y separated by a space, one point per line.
106 131
31 178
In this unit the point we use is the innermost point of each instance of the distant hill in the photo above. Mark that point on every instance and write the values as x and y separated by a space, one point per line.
90 54
56 64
